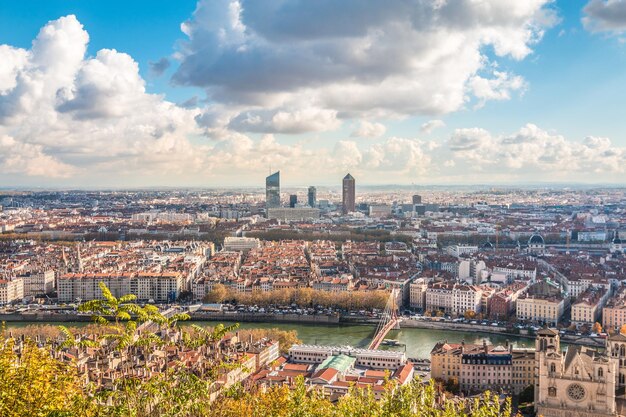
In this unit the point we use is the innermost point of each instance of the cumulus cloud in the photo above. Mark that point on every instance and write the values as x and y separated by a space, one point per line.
499 87
431 125
605 16
536 153
25 158
89 120
63 114
285 121
356 59
369 130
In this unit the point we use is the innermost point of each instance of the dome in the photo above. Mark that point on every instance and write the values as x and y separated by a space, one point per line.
536 240
617 241
488 245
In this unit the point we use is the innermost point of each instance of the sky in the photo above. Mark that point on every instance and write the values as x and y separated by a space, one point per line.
215 93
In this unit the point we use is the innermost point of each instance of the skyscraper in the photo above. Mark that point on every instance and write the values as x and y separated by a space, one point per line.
272 190
293 200
417 199
348 193
312 196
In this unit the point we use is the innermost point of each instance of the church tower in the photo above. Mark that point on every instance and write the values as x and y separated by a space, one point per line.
547 340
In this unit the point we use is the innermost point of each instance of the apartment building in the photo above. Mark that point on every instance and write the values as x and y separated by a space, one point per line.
614 312
480 367
417 294
37 283
240 243
466 298
334 284
540 309
579 284
161 287
587 308
439 296
11 290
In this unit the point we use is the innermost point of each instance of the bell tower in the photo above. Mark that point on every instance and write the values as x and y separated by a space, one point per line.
547 340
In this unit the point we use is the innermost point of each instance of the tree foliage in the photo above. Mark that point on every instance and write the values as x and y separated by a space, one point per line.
308 297
36 380
36 384
217 294
286 338
597 328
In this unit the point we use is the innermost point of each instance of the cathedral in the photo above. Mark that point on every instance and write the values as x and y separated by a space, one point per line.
580 381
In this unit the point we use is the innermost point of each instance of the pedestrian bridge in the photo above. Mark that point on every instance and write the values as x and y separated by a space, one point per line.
389 320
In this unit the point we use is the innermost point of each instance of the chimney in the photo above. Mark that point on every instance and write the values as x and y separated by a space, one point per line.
485 345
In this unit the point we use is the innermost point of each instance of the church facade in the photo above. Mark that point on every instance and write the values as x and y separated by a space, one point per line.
581 381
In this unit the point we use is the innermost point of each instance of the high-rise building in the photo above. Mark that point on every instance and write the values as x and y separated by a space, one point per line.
272 190
417 199
293 200
349 193
312 196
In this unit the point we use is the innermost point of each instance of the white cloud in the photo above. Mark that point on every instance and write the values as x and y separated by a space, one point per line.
63 114
369 130
499 87
89 120
431 125
357 59
605 16
533 153
24 158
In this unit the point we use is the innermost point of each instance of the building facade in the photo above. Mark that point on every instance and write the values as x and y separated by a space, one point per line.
480 367
287 214
312 197
272 190
614 312
578 382
349 194
544 310
38 283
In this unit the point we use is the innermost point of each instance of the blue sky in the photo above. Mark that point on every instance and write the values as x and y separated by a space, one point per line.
520 94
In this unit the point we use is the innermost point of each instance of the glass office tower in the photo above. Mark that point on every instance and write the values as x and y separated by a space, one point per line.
312 196
272 190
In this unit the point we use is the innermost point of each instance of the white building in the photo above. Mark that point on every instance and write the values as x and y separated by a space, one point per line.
241 243
459 250
466 297
417 294
161 287
538 309
11 290
376 359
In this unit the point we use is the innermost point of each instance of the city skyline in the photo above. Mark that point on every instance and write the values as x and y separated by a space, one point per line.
210 93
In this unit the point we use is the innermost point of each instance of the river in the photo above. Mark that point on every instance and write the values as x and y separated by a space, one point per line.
417 342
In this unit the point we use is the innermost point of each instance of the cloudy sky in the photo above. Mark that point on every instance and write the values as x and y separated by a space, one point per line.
217 92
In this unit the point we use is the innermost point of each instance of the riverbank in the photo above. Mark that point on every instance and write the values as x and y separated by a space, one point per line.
329 320
503 331
417 343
